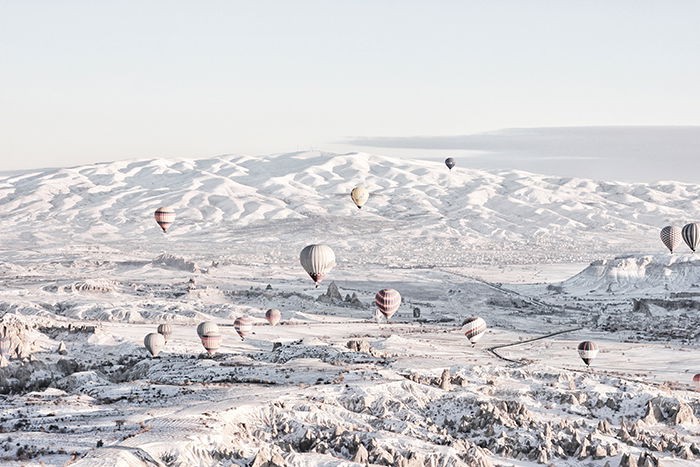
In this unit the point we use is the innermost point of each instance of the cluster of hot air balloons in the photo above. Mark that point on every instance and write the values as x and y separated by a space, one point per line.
208 332
318 260
671 236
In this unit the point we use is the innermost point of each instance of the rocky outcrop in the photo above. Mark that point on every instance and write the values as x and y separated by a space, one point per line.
269 457
333 296
445 380
361 455
20 339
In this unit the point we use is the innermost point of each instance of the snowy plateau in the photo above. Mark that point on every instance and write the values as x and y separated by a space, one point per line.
546 261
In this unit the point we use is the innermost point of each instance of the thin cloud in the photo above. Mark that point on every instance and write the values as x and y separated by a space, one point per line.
640 153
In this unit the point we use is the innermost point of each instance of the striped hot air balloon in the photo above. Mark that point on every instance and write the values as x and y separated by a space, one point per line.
474 328
387 301
166 330
691 235
317 261
587 350
696 381
273 316
5 345
243 326
671 237
359 196
208 328
450 162
154 343
211 343
165 217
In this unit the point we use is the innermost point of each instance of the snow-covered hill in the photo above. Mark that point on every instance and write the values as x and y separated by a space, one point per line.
639 274
418 213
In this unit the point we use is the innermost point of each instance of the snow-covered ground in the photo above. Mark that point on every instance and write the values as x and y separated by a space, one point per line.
84 264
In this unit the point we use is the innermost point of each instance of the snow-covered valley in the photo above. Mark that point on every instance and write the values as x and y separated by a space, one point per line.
86 268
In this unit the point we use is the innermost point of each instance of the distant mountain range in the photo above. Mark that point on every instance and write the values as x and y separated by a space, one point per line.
418 214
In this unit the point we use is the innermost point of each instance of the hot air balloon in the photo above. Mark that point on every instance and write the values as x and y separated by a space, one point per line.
273 316
387 301
671 237
450 162
154 343
696 381
317 260
207 328
5 346
474 328
691 235
211 343
244 326
359 196
165 217
166 330
587 350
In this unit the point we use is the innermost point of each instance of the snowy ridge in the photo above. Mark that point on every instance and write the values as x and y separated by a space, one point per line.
270 200
649 274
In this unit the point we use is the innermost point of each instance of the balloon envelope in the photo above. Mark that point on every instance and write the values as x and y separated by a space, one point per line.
317 261
211 343
691 235
154 343
165 217
474 328
387 301
671 237
208 328
359 196
273 316
587 350
166 330
244 326
450 162
696 381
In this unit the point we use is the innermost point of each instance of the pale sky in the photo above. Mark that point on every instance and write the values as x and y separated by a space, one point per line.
87 81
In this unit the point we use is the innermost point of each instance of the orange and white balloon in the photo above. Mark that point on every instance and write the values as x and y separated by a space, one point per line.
165 217
166 330
211 343
474 329
587 350
388 302
273 316
243 326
